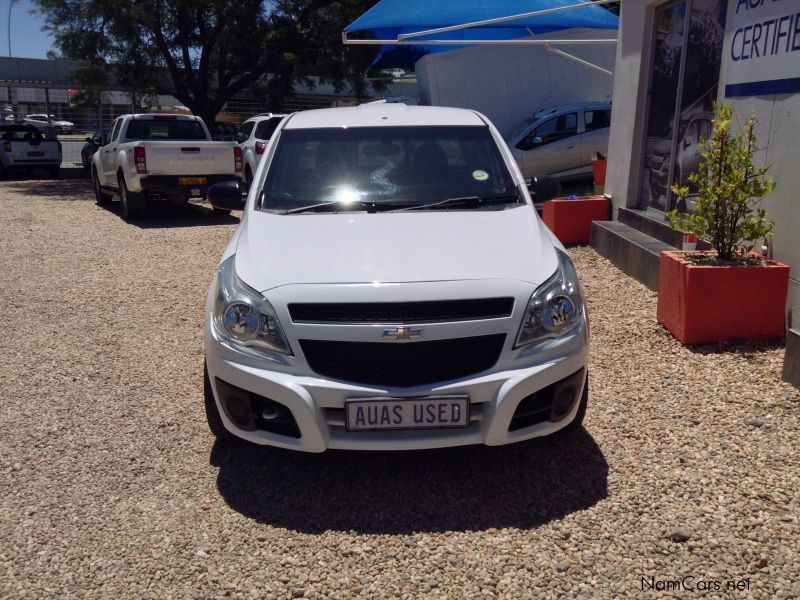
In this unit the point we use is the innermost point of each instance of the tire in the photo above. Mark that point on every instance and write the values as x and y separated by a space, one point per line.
248 176
131 205
85 161
99 196
577 423
212 412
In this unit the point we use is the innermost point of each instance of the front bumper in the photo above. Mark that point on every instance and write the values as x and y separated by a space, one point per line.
317 404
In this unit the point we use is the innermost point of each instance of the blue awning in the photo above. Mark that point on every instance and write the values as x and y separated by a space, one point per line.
390 18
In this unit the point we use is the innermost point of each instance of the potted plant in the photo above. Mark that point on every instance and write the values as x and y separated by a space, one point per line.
728 292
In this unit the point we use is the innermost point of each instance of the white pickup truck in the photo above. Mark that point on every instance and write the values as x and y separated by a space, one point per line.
24 147
160 157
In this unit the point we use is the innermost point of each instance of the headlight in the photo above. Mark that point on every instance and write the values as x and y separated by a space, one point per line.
556 306
243 316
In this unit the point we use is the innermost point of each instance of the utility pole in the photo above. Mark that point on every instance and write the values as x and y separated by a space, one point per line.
8 25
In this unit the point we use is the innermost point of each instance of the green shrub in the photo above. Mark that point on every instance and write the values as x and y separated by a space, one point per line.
728 188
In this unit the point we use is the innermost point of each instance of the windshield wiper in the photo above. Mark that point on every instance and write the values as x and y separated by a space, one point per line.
468 201
335 205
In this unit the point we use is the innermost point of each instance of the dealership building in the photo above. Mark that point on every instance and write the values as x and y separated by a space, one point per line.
674 60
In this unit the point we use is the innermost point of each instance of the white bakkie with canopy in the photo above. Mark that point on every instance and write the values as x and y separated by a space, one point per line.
390 287
160 156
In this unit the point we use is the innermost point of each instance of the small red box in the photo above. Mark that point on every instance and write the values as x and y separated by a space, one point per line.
704 304
571 220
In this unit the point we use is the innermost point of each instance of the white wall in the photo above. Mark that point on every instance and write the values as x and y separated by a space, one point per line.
509 83
628 112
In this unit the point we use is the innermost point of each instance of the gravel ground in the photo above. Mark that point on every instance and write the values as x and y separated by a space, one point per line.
112 486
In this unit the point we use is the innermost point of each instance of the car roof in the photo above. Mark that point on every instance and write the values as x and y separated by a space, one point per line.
544 112
384 115
165 116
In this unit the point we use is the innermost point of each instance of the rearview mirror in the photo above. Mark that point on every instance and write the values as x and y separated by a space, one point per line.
544 188
226 195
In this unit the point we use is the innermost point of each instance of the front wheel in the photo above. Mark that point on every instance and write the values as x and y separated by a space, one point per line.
577 423
212 412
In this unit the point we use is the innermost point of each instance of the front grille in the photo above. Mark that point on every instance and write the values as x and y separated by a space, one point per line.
403 364
402 312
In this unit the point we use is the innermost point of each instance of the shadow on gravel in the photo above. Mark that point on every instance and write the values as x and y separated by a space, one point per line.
166 215
73 184
463 489
743 348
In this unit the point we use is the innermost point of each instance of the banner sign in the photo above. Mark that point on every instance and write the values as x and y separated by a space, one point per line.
762 47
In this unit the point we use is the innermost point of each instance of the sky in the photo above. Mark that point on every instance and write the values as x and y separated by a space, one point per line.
27 38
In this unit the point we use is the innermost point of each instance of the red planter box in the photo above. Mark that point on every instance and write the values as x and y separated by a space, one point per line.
571 220
704 304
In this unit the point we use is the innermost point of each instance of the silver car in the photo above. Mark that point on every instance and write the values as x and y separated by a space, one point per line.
40 121
562 141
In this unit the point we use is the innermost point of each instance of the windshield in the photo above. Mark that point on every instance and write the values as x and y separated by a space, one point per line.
393 165
164 129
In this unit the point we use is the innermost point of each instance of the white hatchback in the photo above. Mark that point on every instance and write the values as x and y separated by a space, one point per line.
391 287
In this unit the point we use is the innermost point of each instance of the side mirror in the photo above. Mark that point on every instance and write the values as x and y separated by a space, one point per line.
524 144
226 195
89 140
544 188
687 142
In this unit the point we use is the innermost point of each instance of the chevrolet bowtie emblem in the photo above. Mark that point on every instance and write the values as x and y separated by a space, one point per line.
402 334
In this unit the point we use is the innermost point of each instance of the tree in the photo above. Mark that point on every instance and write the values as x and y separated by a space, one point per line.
204 52
729 186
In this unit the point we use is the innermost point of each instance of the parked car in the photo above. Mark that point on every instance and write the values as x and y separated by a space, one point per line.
562 141
224 132
90 147
689 155
390 287
253 136
160 157
40 121
24 147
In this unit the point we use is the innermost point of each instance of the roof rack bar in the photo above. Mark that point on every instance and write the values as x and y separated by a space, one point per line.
535 13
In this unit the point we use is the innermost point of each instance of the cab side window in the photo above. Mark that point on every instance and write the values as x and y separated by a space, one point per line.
246 129
597 119
115 132
266 128
552 130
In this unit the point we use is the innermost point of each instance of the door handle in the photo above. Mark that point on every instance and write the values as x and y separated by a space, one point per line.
570 147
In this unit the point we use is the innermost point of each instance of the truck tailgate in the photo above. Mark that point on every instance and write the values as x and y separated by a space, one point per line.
21 151
188 158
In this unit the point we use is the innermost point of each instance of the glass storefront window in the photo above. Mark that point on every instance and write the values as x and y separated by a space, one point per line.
684 78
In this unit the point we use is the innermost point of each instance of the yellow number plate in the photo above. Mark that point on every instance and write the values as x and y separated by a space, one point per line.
192 180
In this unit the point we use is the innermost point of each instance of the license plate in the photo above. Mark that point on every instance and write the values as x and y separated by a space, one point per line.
407 413
35 153
192 181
